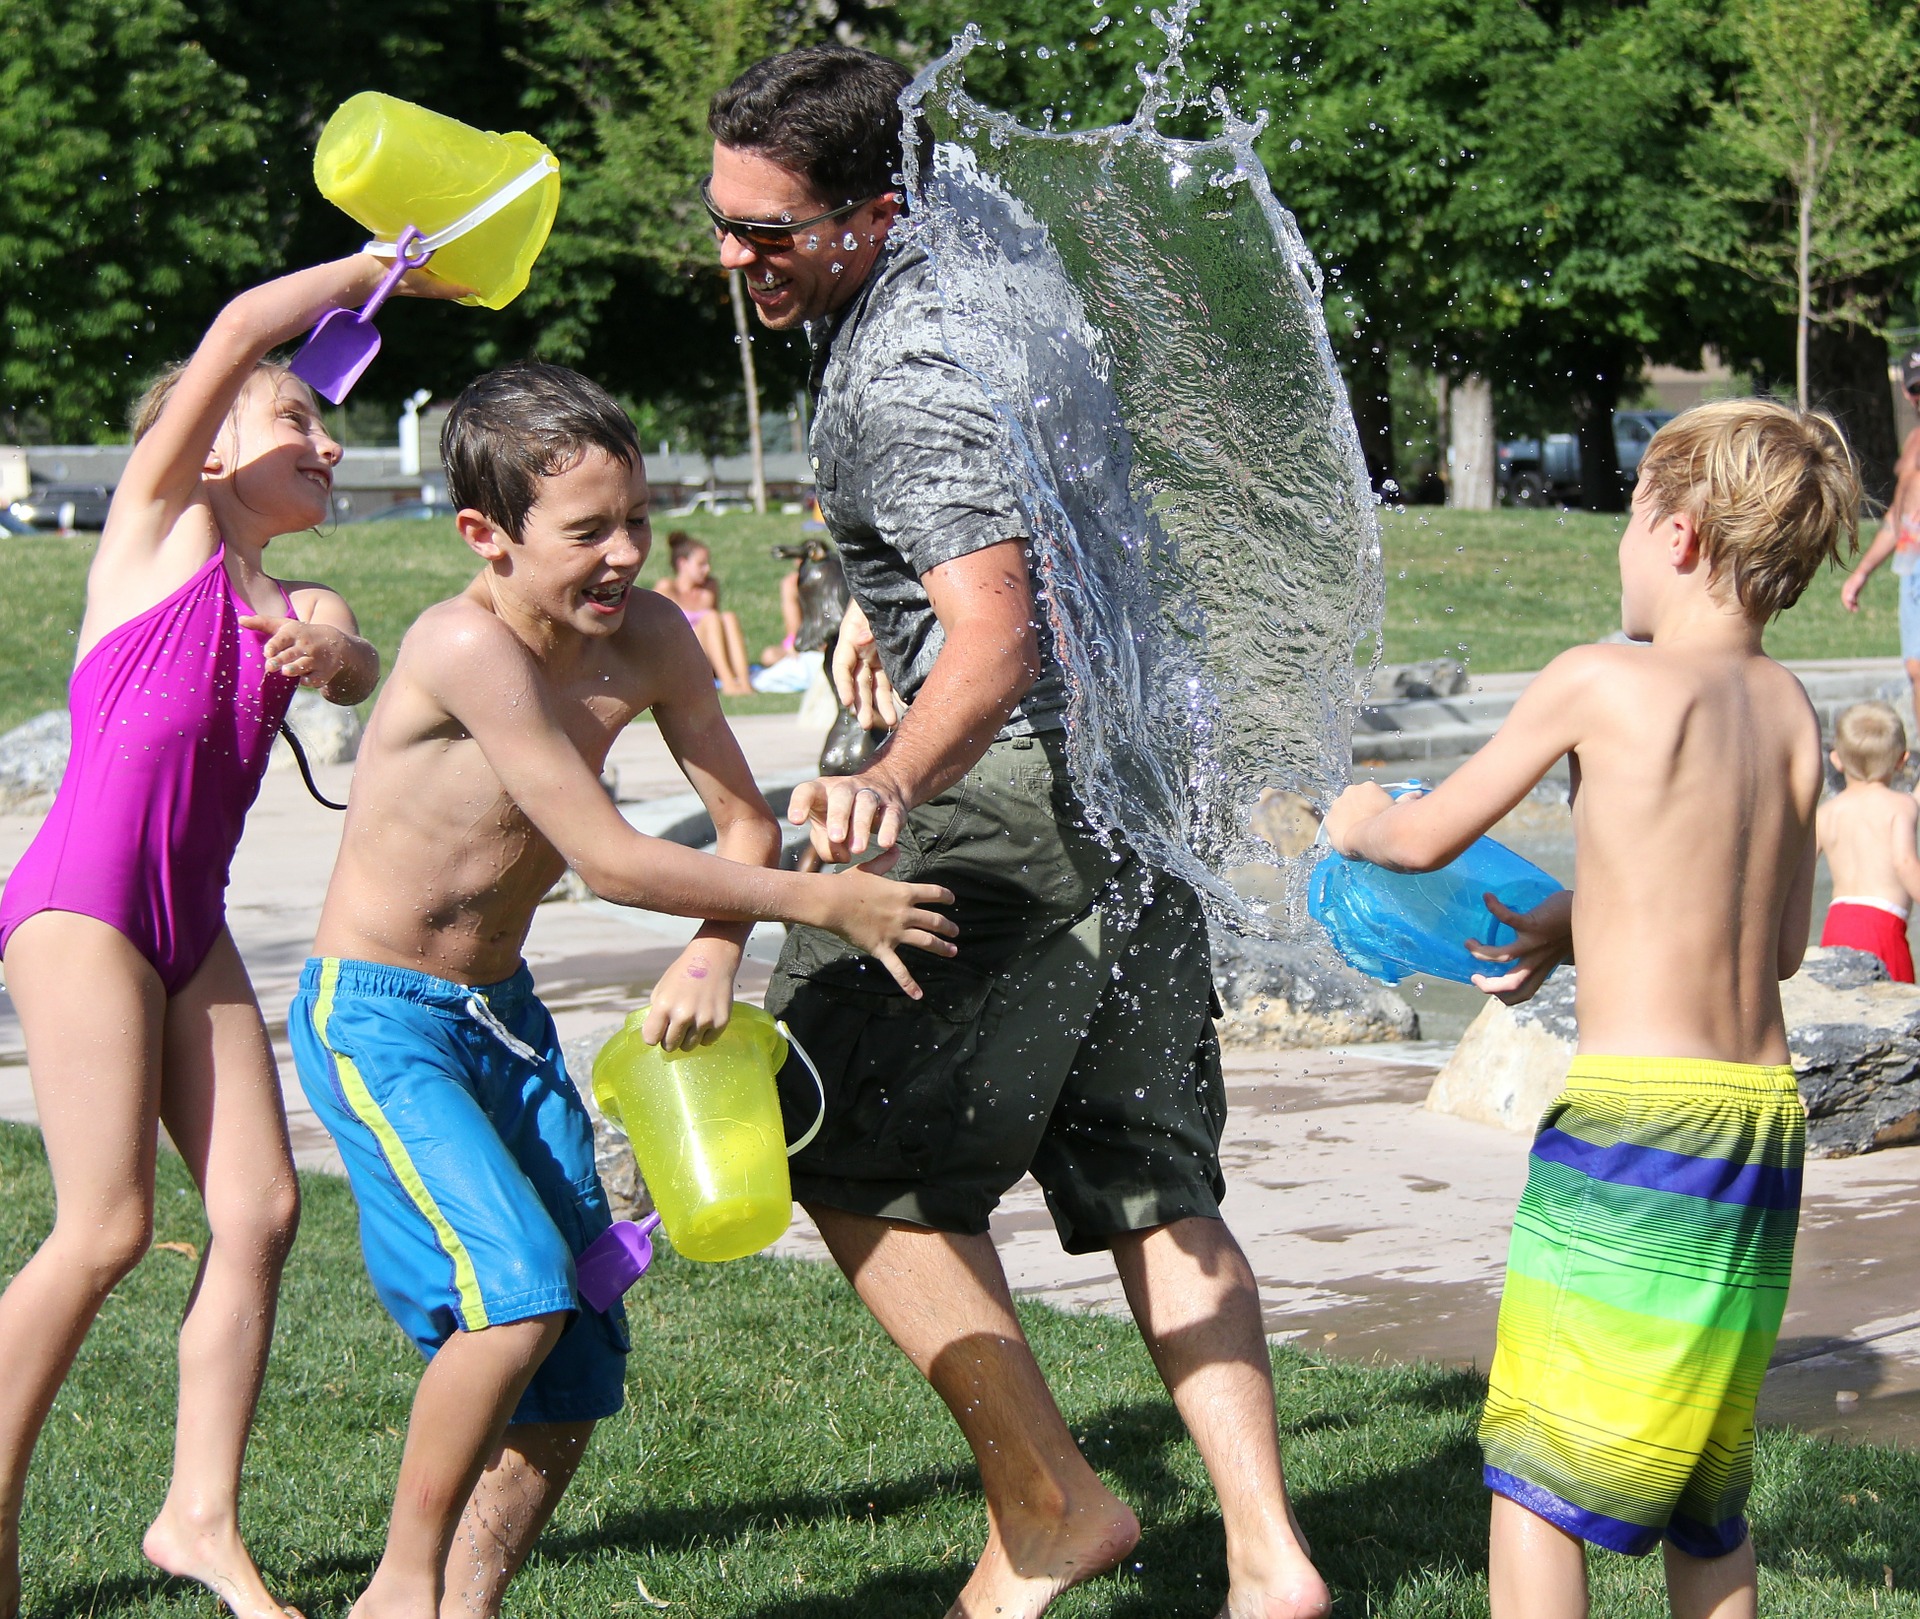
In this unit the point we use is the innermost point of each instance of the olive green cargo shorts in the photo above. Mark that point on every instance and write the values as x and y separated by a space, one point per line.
1072 1036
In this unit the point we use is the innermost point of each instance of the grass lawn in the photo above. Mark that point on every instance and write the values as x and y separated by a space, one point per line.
1512 588
778 1460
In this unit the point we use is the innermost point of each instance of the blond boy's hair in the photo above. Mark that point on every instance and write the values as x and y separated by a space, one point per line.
1870 740
1773 493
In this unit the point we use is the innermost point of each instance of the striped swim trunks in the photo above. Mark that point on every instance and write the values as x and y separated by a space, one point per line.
1645 1285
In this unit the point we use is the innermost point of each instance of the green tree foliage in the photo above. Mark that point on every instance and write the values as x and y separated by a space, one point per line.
131 203
1814 161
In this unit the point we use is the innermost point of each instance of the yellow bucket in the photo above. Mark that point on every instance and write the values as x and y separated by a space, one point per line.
483 202
705 1127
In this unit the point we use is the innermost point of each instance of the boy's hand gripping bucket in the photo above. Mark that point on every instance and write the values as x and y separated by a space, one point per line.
483 203
705 1126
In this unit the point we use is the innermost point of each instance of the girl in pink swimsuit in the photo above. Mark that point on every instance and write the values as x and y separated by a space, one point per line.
135 1006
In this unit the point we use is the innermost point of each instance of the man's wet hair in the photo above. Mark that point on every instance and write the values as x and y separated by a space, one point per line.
527 421
1773 492
829 112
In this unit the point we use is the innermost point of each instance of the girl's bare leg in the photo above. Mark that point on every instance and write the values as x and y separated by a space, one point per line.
220 1101
92 1011
736 645
712 636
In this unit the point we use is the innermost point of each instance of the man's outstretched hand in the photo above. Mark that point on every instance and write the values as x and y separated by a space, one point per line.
848 815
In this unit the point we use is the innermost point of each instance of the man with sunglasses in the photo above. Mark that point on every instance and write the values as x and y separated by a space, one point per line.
1899 538
1072 1037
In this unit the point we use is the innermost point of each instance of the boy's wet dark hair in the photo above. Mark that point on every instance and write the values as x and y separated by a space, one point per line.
524 422
830 112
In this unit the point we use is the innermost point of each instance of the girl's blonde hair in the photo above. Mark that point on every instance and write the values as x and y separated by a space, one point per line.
1773 493
148 408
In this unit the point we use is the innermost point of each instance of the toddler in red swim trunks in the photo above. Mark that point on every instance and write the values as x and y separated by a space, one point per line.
1867 834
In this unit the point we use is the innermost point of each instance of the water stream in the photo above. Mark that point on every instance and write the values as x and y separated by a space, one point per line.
1145 316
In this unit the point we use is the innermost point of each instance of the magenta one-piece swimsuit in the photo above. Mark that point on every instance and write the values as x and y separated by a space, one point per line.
174 715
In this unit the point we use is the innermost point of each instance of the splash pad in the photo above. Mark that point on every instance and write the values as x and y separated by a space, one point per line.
1147 319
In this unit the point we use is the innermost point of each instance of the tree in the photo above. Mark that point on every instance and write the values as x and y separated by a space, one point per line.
1814 160
129 209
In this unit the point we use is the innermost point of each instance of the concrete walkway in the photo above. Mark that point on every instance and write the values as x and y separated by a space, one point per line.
1377 1229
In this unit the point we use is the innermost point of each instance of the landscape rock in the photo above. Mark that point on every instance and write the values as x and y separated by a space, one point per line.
1286 821
627 1193
1854 1038
1289 996
33 757
1437 677
329 733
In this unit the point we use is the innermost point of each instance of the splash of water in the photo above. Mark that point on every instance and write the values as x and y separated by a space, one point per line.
1146 317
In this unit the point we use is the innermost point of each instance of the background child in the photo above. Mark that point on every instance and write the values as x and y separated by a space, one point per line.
417 1033
692 588
1654 1243
1866 831
133 1001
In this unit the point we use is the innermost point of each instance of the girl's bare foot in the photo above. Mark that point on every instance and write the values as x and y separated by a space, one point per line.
1030 1559
212 1555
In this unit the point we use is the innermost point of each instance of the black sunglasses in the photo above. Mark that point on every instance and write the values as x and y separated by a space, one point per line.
769 235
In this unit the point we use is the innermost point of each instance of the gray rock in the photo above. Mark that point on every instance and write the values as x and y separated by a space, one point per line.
329 733
627 1193
32 759
1437 677
1854 1039
1288 996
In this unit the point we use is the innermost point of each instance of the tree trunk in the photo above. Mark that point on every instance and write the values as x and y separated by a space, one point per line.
745 334
1849 382
1471 449
1803 272
1368 384
1601 486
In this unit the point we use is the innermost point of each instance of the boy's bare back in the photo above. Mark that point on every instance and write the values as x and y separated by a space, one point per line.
1867 834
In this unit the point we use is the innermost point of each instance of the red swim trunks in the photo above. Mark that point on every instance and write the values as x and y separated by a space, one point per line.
1857 926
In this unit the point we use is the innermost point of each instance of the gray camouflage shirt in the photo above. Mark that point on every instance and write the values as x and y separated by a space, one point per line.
913 469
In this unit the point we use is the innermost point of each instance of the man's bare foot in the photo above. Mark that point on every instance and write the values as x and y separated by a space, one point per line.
1031 1559
1283 1585
212 1555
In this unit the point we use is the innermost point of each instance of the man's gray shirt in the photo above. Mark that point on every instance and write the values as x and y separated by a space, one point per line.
913 469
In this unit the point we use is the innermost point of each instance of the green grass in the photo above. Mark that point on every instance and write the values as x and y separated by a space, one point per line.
778 1460
388 573
1511 588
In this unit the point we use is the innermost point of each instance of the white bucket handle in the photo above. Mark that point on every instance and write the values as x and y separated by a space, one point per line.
480 212
813 1129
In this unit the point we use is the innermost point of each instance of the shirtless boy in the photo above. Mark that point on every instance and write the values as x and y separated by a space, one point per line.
1653 1245
1866 831
417 1034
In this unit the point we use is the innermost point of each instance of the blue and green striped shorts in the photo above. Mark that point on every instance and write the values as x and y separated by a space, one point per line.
471 1159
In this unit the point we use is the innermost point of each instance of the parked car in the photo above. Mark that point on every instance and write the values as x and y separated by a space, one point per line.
408 511
65 506
9 524
716 502
1546 471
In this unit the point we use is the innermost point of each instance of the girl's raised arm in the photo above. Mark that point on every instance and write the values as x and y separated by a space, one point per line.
163 473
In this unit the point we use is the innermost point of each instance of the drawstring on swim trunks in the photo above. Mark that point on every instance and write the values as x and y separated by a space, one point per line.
483 1014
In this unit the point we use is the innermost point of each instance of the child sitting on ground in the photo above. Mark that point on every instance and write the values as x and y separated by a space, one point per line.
418 1037
1654 1242
1866 831
691 587
135 1005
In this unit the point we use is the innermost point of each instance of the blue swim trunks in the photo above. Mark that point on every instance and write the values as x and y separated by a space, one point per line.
471 1159
1909 585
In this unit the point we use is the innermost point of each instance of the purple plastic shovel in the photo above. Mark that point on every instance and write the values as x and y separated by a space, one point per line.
614 1261
343 345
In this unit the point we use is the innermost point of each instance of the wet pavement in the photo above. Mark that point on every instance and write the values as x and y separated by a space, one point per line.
1378 1230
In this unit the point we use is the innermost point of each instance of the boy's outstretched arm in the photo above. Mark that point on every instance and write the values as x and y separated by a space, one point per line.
482 676
1425 832
693 998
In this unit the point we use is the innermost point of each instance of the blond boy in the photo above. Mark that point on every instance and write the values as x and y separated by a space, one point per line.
1866 831
1652 1248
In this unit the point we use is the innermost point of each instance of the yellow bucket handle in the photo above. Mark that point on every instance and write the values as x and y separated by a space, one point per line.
480 212
813 1129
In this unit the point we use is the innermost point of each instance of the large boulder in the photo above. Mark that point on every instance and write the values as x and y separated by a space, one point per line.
1284 996
329 733
627 1193
1854 1039
33 757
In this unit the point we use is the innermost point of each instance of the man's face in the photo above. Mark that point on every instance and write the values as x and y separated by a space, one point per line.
826 263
